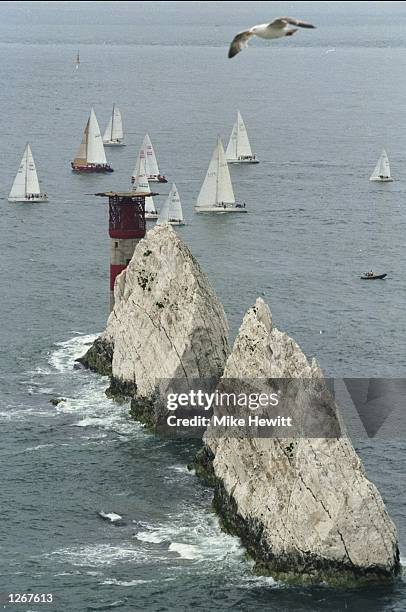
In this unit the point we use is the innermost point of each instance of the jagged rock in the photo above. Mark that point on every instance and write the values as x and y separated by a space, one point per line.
99 357
303 507
167 323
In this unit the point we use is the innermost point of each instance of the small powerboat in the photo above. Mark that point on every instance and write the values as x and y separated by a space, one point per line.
372 276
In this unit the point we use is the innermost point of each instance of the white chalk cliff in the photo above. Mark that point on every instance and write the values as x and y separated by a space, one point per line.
302 506
167 322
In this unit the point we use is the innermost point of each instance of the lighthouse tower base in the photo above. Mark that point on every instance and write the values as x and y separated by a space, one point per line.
121 252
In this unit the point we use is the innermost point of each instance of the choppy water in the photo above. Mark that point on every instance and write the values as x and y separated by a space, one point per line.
318 122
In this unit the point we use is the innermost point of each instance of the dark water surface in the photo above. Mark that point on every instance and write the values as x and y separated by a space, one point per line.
318 123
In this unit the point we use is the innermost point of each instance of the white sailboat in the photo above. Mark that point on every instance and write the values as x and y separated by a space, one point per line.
153 174
26 184
91 156
239 148
141 184
381 172
216 194
113 136
171 211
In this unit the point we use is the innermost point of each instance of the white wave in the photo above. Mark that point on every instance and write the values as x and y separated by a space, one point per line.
96 410
194 535
126 583
186 551
39 447
113 517
40 371
102 555
150 536
181 469
16 414
64 357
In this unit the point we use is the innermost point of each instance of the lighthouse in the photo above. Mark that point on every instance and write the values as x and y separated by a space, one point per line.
126 228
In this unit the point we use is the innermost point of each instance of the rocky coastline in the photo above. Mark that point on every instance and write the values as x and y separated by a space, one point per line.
303 507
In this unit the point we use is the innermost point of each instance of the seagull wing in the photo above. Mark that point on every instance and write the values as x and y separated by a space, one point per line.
239 42
281 22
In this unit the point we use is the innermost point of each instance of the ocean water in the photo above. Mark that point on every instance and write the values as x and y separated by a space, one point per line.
318 122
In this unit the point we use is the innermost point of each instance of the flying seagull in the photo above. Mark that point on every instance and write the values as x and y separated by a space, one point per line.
277 29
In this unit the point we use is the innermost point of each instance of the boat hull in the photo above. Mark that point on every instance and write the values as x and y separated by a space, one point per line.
243 161
157 179
381 180
374 277
176 223
220 210
91 169
151 216
111 143
34 200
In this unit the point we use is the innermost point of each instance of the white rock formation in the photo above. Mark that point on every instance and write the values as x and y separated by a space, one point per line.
303 507
167 322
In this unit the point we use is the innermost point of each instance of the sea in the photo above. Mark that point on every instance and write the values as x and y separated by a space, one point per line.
319 107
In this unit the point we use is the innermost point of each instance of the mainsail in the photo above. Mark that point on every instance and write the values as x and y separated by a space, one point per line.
382 169
114 130
172 209
26 181
141 184
151 164
91 150
239 144
217 190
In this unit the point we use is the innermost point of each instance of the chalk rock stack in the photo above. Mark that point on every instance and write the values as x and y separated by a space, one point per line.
303 507
167 323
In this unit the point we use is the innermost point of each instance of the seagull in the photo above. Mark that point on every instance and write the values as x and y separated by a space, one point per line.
277 29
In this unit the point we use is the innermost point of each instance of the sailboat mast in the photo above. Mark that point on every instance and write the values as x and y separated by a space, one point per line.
26 171
217 173
112 123
238 131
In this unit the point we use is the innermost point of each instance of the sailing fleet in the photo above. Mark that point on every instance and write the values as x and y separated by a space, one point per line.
216 194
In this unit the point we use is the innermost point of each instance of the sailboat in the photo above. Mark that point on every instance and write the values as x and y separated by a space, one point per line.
91 156
26 185
141 184
216 194
382 169
113 136
172 209
154 176
239 148
77 60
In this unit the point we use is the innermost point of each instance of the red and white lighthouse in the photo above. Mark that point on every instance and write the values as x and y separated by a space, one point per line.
126 228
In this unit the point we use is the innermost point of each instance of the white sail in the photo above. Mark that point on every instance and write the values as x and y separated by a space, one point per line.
81 155
114 130
152 164
225 192
382 168
108 131
175 206
217 189
239 148
26 181
163 216
231 152
141 184
95 150
171 211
